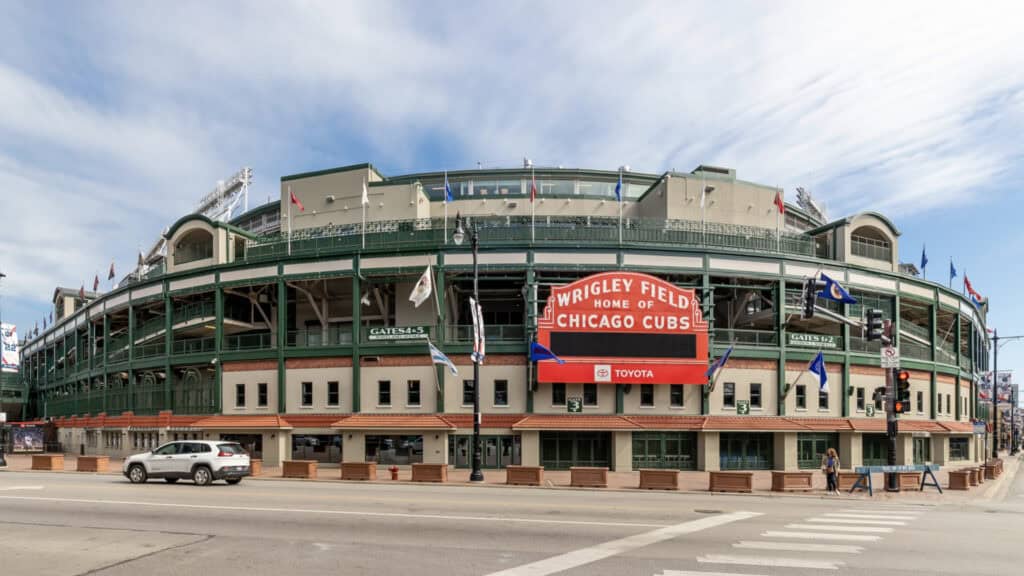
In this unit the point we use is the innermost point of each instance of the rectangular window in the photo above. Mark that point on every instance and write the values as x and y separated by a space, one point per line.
878 399
958 449
920 401
801 397
729 395
412 397
647 395
949 405
860 399
501 392
261 394
467 392
938 403
307 393
558 394
333 396
590 394
676 396
240 395
755 395
822 399
384 393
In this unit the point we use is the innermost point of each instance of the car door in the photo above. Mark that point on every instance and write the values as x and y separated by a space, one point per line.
186 456
161 461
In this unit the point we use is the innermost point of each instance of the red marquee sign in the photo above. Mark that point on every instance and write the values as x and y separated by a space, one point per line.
623 328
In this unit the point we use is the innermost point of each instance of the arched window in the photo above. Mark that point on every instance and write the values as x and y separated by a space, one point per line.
193 245
870 242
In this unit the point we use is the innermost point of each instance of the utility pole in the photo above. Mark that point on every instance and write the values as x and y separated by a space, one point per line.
995 391
892 426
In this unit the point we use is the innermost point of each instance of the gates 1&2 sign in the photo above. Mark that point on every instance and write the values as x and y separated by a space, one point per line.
623 328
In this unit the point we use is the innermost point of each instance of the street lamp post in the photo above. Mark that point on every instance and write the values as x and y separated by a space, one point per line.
459 236
995 393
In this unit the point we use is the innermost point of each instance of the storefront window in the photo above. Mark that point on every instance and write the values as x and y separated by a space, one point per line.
669 450
745 451
810 449
253 443
394 449
319 447
875 449
958 449
561 450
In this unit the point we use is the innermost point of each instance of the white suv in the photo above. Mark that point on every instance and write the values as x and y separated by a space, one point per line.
201 460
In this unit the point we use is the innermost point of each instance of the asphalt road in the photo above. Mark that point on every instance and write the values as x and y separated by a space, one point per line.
65 524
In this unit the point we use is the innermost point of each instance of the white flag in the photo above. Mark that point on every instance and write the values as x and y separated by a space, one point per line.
423 288
366 195
479 340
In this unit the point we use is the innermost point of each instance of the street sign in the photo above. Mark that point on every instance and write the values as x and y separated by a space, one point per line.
869 410
743 407
575 405
890 357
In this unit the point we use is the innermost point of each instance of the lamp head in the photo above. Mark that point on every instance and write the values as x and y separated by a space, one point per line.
460 232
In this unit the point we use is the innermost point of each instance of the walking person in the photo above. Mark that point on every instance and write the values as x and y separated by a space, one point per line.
830 466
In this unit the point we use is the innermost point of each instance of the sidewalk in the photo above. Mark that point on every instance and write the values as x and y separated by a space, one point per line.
691 482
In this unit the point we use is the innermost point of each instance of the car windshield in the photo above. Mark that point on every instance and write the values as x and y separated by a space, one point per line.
231 448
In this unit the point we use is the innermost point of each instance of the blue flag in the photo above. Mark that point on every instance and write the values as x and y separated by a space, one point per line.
924 259
447 190
540 352
834 291
618 189
718 364
438 357
817 366
952 270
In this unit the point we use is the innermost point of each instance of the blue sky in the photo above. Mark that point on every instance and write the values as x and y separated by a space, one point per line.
115 118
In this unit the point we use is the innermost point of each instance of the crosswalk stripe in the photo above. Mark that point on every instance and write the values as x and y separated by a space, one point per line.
799 547
871 516
820 536
858 521
770 561
698 573
900 510
837 528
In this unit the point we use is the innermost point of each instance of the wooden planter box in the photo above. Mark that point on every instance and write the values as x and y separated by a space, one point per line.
960 479
791 481
298 469
651 479
585 477
524 475
255 466
93 463
429 472
972 476
908 481
990 471
979 473
48 462
730 481
847 480
358 470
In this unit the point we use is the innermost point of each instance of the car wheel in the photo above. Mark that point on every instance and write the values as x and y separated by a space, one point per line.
202 476
137 474
233 480
170 480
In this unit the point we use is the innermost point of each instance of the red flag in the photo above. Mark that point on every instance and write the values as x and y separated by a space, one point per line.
533 188
295 201
778 202
96 283
81 292
110 275
970 289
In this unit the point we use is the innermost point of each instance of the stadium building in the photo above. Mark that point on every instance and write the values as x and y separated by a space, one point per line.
290 328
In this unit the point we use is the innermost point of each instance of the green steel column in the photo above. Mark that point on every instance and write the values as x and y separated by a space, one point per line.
531 328
956 386
845 392
356 322
933 321
707 306
282 335
440 336
780 324
106 338
932 392
218 344
168 347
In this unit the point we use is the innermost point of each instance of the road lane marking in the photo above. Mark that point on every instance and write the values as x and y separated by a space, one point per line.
836 528
576 558
855 521
871 516
820 536
697 573
770 561
798 547
899 510
21 488
337 512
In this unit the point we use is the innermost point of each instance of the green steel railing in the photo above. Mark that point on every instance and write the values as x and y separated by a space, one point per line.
152 350
493 333
193 310
149 328
260 341
194 346
914 350
314 338
920 331
746 337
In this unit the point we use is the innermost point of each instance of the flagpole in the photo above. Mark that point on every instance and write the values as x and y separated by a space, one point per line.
445 206
289 220
364 202
703 227
533 205
778 214
620 205
951 276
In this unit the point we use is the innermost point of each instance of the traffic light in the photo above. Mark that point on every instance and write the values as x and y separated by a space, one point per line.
902 392
810 295
873 324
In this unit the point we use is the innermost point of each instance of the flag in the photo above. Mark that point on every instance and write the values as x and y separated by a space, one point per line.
438 357
51 317
817 366
924 259
540 352
447 190
81 294
96 283
479 341
779 203
142 260
110 275
718 364
970 289
618 189
366 193
423 288
295 200
834 291
533 188
952 270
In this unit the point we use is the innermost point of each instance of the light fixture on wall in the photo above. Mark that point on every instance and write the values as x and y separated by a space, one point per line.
365 300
